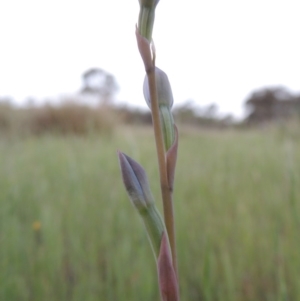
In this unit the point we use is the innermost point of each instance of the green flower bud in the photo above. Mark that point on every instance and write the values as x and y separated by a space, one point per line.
165 103
146 18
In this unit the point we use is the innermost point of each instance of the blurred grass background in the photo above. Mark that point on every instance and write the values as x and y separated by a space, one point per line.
69 232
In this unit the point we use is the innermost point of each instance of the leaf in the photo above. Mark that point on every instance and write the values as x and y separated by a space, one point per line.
167 279
145 51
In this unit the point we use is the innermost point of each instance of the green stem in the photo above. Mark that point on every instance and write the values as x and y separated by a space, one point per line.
154 226
165 189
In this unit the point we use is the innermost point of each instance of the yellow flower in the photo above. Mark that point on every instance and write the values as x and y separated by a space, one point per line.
36 226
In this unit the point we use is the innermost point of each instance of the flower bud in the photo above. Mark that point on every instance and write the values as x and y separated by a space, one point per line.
136 182
163 88
137 186
165 103
146 18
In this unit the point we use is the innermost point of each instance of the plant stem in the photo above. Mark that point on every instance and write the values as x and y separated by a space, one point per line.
165 189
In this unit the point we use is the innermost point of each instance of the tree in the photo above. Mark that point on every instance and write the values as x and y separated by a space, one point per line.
99 83
271 104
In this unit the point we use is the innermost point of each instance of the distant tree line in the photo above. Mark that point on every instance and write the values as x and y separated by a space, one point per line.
272 104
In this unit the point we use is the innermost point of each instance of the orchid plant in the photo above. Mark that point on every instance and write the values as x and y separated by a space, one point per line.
159 98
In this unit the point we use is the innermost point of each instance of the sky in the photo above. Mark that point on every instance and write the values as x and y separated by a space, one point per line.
213 51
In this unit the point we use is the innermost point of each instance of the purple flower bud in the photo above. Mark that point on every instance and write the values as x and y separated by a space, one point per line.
136 182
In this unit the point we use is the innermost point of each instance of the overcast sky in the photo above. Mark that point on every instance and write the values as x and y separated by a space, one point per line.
213 51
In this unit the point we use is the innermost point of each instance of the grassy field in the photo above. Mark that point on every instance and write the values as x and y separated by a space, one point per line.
68 231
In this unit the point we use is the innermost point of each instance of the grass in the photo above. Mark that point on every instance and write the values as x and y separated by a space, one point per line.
237 210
